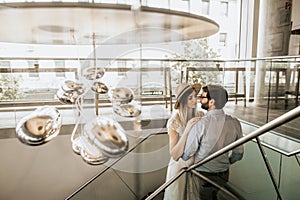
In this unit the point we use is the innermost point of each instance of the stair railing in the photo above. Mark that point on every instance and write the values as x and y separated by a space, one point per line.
292 114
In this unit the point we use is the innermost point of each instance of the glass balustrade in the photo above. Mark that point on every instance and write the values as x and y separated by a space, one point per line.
249 178
254 100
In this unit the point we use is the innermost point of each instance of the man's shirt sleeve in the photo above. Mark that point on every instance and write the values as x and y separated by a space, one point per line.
237 153
192 142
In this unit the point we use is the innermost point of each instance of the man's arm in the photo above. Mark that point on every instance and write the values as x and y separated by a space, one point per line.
238 152
192 142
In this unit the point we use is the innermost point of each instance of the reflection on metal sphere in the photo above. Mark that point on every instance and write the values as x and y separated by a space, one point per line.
92 159
71 85
67 97
93 73
131 109
90 153
122 95
99 87
107 135
76 145
70 91
40 126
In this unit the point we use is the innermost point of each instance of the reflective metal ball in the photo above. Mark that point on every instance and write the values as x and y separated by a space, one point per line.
40 126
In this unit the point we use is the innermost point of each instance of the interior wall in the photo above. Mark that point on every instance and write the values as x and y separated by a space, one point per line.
294 46
277 29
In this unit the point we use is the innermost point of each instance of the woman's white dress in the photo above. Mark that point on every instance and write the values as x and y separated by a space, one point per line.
177 189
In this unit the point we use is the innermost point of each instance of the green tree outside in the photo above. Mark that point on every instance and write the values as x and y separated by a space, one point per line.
10 88
196 50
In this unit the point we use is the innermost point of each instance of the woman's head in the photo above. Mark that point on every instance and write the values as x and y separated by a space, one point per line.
186 96
186 101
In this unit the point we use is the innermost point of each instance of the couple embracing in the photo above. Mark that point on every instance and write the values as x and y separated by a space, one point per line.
194 135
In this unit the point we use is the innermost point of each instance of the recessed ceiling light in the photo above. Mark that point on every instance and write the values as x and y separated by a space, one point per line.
56 29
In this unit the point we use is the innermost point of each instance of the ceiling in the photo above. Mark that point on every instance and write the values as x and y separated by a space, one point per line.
86 23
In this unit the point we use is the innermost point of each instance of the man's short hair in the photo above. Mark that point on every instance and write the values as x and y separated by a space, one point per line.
218 93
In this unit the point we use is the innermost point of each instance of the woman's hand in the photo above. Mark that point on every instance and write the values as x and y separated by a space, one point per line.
193 121
190 124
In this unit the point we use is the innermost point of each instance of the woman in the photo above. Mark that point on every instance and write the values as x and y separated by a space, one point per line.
182 119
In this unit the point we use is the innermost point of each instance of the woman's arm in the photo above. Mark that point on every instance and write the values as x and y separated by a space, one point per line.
173 140
177 145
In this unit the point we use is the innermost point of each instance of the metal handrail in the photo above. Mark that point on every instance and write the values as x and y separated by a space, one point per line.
265 128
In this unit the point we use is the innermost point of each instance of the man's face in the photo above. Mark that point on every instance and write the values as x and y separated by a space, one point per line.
204 101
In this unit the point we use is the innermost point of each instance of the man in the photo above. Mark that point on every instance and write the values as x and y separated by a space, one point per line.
213 132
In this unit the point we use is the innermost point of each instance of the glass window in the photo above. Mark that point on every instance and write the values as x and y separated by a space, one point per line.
34 64
4 64
222 39
121 66
144 2
224 8
205 7
59 65
122 2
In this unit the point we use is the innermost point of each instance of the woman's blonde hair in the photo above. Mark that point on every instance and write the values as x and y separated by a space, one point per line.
183 111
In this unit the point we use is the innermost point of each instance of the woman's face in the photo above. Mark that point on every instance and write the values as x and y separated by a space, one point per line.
192 100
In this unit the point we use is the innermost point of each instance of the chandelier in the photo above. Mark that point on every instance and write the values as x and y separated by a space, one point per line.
95 141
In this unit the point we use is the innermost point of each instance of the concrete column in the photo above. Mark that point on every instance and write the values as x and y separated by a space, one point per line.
272 38
260 71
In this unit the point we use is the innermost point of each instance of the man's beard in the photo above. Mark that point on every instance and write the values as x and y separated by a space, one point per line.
205 106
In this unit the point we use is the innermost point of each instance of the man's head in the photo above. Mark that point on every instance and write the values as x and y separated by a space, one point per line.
213 97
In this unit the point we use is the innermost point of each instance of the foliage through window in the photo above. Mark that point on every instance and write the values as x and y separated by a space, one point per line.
10 87
193 50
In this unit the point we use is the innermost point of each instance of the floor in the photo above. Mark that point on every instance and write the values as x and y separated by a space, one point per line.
260 115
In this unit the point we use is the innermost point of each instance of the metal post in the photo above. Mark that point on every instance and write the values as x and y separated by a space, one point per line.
263 154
